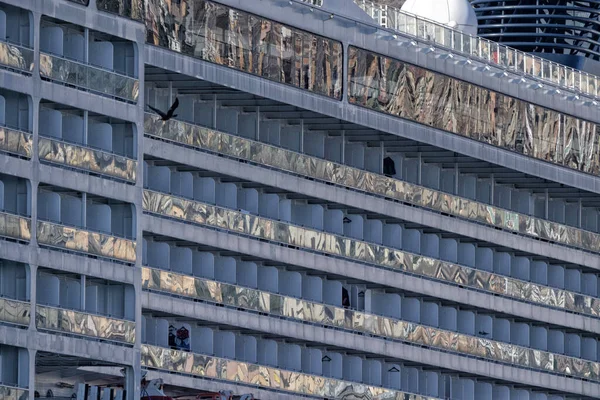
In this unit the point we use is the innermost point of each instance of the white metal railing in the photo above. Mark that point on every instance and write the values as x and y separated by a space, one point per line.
483 49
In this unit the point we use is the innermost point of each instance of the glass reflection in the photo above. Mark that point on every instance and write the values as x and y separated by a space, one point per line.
13 393
15 142
81 240
16 56
407 91
88 77
87 158
337 317
369 182
133 9
14 311
226 36
15 226
339 246
81 323
206 366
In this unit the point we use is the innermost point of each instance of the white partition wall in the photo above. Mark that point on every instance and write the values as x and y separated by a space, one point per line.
449 250
159 179
501 330
332 292
520 268
289 356
312 288
332 363
429 382
159 255
224 344
501 393
430 313
246 348
352 367
52 40
502 263
181 260
48 289
247 274
355 227
410 379
205 190
203 342
248 200
466 322
411 240
50 121
203 264
100 135
312 361
483 390
268 205
334 221
373 231
268 279
372 372
466 255
519 334
411 309
333 148
449 318
290 283
99 217
70 210
267 352
101 54
556 341
392 376
539 272
225 269
182 184
539 337
72 126
392 236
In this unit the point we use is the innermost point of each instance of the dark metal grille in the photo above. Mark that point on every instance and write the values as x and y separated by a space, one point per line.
542 26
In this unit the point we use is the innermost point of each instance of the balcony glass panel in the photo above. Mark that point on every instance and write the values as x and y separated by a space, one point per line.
315 168
470 46
385 257
85 241
88 77
352 320
14 312
204 366
15 142
248 43
13 393
15 226
465 109
80 323
133 9
16 57
87 158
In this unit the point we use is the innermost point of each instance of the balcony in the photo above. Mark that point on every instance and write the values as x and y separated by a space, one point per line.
13 393
486 269
210 140
88 60
80 305
133 9
15 208
14 374
84 223
87 141
14 293
16 39
15 124
239 372
390 328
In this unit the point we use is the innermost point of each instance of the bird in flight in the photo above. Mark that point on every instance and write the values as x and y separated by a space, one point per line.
169 114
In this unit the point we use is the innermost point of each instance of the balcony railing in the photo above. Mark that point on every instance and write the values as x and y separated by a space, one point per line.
358 321
482 49
88 77
133 9
13 393
340 246
81 323
15 226
85 241
14 312
16 56
88 159
15 142
369 182
245 373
